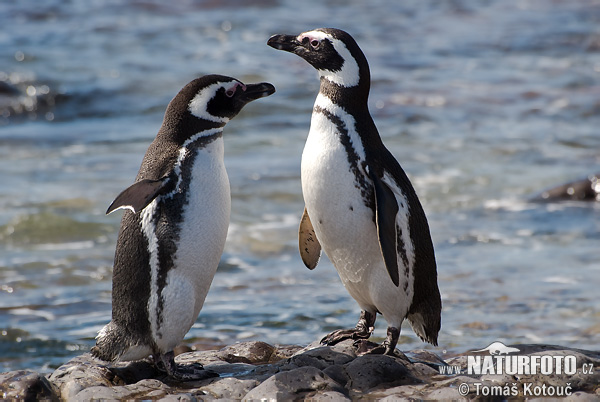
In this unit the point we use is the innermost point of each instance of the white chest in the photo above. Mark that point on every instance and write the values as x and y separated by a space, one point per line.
337 193
335 197
174 307
205 217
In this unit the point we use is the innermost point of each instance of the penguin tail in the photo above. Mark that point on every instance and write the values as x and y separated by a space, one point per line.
107 345
426 327
114 344
426 321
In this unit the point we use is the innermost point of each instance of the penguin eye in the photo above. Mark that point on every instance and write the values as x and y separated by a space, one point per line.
230 92
315 43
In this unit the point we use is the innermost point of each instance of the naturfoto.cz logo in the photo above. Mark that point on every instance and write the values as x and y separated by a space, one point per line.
500 361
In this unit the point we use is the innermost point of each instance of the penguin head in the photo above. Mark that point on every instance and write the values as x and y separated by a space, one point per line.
333 52
218 98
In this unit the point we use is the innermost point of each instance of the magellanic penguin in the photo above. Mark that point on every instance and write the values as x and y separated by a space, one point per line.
173 231
360 206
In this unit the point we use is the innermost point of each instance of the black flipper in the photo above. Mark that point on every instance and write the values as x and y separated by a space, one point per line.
310 248
137 196
385 217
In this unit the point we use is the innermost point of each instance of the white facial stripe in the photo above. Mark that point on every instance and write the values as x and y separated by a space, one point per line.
318 35
349 75
129 207
198 105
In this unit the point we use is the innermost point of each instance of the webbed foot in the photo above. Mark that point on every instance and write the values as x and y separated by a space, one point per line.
363 330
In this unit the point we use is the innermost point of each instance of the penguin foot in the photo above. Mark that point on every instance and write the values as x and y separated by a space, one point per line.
340 335
193 372
363 330
387 347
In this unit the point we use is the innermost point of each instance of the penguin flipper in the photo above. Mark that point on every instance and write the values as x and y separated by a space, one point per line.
310 248
137 196
386 207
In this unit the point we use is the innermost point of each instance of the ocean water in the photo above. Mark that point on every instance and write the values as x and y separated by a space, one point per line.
484 103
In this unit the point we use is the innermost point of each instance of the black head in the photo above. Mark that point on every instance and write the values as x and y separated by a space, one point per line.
219 98
333 52
211 101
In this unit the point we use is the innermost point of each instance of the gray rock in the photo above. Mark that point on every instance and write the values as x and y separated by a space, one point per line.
229 388
320 357
367 372
425 357
329 396
80 373
181 398
27 385
247 352
581 397
295 384
256 370
145 389
338 374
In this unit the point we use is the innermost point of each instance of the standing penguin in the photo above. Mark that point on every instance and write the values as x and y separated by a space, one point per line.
173 232
359 204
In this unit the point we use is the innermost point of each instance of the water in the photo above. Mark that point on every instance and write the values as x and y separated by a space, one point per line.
485 104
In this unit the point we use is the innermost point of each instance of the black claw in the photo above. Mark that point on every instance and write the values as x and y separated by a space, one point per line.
387 347
337 336
363 330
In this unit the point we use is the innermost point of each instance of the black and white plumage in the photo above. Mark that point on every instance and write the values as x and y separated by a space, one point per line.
360 206
173 231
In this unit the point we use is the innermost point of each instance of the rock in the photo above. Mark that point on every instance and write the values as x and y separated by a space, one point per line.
321 357
144 389
294 384
587 189
367 372
329 396
27 385
256 370
247 352
229 388
80 373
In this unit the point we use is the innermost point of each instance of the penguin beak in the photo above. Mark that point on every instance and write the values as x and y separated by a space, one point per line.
256 91
289 43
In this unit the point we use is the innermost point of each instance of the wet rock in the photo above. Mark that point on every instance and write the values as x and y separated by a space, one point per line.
229 388
247 352
144 389
587 189
329 396
367 372
256 370
81 373
320 357
294 384
27 385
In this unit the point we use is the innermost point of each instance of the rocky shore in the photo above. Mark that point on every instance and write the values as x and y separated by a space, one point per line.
259 371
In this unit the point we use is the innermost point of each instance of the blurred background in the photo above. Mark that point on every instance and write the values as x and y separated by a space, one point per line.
484 103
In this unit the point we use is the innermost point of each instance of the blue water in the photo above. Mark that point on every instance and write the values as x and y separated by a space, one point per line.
484 103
